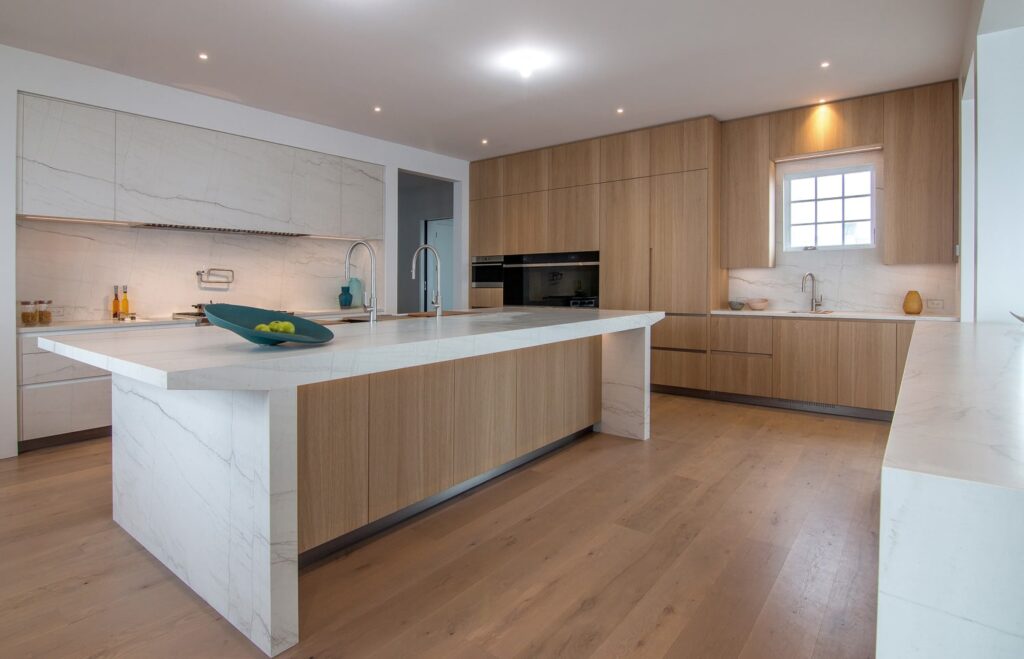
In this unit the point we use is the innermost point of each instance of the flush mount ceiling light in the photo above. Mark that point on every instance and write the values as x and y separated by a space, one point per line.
525 61
483 141
204 56
821 100
376 108
825 65
620 110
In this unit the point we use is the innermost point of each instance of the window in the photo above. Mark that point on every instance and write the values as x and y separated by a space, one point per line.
830 209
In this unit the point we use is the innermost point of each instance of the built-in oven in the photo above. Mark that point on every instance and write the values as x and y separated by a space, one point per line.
486 272
551 280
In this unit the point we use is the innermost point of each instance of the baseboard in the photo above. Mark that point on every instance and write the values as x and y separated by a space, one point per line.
366 533
820 408
27 445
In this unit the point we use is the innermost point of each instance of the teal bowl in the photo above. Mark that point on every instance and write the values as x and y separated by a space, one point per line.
241 320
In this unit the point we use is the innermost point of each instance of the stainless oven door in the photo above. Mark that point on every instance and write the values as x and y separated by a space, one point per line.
486 272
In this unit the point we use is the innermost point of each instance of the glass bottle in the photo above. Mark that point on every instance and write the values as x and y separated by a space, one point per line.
29 317
43 314
115 306
125 307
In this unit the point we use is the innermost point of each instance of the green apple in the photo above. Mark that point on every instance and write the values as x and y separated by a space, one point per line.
275 326
262 327
286 327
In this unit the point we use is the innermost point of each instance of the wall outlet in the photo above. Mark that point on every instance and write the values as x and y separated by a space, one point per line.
935 304
57 312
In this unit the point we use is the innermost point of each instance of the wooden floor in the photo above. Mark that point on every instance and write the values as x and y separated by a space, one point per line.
737 531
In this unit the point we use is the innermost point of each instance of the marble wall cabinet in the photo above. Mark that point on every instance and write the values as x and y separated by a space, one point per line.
84 162
65 159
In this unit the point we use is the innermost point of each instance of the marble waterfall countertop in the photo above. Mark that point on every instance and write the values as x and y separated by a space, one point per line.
213 358
960 411
840 315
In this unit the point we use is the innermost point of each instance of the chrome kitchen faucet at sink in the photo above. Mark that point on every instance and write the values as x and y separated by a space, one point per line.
815 297
371 308
436 300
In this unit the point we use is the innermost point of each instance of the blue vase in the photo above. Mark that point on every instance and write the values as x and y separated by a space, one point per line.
345 298
356 286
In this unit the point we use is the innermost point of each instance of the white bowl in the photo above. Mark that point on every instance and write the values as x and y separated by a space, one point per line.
758 303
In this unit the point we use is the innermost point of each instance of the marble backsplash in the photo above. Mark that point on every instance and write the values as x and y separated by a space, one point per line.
77 265
848 280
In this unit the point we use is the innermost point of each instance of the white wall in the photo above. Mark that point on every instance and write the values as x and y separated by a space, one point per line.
1000 163
24 71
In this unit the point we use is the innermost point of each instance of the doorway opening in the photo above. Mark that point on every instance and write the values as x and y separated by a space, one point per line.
425 216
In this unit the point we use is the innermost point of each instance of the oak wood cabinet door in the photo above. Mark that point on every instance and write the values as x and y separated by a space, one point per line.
583 364
573 219
739 373
525 223
856 122
679 368
625 244
333 459
541 404
486 227
626 155
867 364
920 175
526 172
576 163
741 334
805 360
485 414
485 178
681 146
410 456
485 298
747 195
679 242
681 332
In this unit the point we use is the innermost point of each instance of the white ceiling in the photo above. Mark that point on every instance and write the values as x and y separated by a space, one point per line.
429 63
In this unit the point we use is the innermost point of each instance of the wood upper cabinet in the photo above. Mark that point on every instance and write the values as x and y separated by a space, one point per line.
856 122
410 457
681 147
573 219
485 413
333 459
526 172
626 155
867 364
576 163
747 195
625 244
805 360
679 242
920 174
524 223
486 227
485 178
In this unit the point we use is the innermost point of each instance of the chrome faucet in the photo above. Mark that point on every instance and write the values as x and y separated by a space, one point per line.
815 298
370 307
436 300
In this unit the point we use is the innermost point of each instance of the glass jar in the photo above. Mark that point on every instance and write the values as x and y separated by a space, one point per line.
43 314
29 317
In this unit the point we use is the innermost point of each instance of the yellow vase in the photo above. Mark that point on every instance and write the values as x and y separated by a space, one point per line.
912 303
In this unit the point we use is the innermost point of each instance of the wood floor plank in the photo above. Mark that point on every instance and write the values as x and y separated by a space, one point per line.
737 530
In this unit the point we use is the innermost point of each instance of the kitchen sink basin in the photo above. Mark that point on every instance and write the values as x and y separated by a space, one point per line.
818 312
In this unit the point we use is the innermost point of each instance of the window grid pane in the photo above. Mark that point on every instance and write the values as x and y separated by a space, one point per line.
841 220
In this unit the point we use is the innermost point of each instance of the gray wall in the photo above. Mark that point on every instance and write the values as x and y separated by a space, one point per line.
419 198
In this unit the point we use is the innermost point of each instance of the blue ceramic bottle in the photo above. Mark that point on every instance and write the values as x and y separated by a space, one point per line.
345 298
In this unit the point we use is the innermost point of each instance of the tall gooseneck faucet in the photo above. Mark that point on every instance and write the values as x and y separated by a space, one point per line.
815 298
436 300
370 307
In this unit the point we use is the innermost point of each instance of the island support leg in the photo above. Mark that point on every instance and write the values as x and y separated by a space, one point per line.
206 482
626 383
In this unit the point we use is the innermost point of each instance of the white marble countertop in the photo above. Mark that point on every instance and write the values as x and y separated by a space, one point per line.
960 411
847 315
106 324
213 358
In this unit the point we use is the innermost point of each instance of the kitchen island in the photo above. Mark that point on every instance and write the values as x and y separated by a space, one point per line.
211 433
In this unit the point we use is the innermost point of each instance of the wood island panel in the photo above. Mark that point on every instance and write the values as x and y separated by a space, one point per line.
485 413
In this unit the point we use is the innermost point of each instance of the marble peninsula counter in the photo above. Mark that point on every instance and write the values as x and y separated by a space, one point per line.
951 535
205 430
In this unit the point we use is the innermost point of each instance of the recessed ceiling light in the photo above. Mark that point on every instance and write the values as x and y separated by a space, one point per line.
204 56
826 64
821 100
483 141
376 108
620 110
525 61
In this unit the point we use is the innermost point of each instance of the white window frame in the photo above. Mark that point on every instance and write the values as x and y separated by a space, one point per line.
829 171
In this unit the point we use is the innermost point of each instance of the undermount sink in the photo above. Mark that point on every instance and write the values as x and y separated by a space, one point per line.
445 312
819 311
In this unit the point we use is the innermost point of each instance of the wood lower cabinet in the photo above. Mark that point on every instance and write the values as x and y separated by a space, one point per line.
485 298
681 332
805 360
486 227
867 364
333 459
738 373
679 242
747 195
410 457
625 244
741 334
485 414
679 368
557 391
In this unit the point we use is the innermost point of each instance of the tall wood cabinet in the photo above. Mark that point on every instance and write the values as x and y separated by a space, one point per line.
679 242
748 185
625 244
